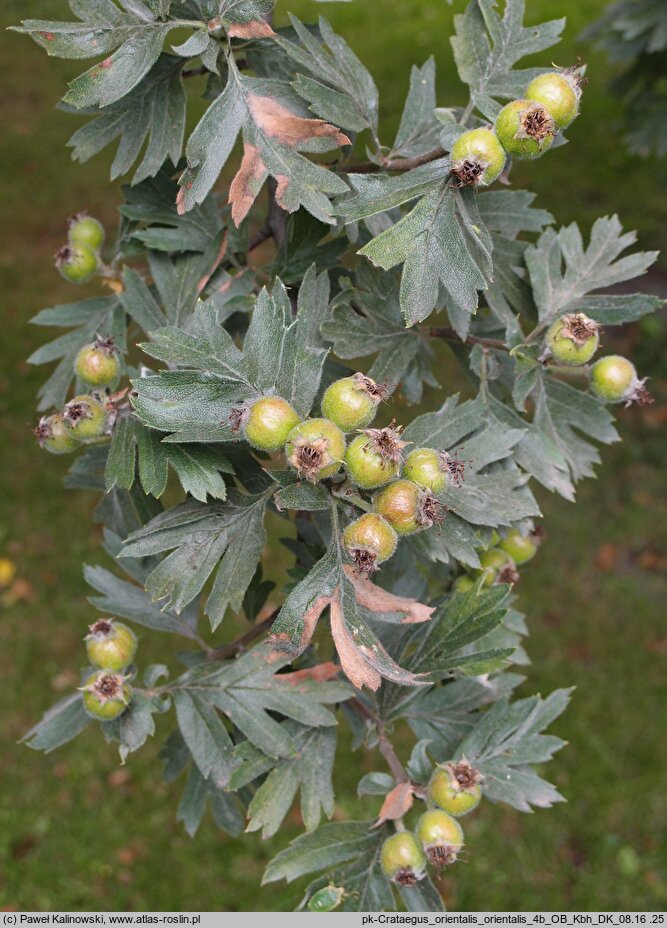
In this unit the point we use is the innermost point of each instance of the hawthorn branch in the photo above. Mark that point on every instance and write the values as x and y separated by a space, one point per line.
395 164
235 647
385 746
451 336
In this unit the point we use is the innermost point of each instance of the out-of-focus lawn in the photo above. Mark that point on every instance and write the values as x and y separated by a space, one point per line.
79 832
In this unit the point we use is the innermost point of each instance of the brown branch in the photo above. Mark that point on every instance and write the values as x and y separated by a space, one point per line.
451 336
234 647
398 771
394 164
241 64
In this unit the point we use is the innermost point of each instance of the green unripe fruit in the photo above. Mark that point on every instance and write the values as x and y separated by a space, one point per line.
352 402
573 339
477 158
269 423
366 466
315 449
455 788
83 229
463 584
106 695
407 508
427 468
110 645
614 379
97 364
494 563
441 836
521 548
85 418
326 899
54 436
369 540
525 129
402 859
76 263
559 93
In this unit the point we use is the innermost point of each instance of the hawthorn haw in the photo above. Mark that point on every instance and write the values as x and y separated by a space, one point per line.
315 449
402 859
441 836
106 695
428 468
525 129
559 92
573 339
83 229
110 645
352 402
521 548
374 457
614 380
54 436
269 422
496 567
407 508
76 263
455 788
463 584
369 540
477 158
85 418
97 364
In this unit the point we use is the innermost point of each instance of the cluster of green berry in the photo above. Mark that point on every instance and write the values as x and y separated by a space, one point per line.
405 501
79 259
523 129
499 561
111 647
84 418
573 339
453 791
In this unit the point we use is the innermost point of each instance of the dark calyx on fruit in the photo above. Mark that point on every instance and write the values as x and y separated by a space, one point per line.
238 417
102 627
387 442
579 328
310 456
441 855
536 124
75 412
42 431
469 171
378 391
429 510
109 686
465 774
365 560
455 468
406 877
508 574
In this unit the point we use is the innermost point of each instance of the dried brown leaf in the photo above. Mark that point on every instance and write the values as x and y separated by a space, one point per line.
354 665
282 644
378 600
256 29
397 803
247 183
286 127
320 673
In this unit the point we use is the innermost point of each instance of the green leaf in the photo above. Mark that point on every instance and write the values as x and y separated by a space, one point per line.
198 470
506 740
444 246
486 48
199 794
559 290
205 735
310 771
225 538
332 844
153 110
420 129
274 131
62 722
339 89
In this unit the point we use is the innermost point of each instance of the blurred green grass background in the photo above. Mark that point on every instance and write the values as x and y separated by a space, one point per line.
79 832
